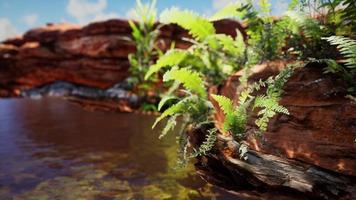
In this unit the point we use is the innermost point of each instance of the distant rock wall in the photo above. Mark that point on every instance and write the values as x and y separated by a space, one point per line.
94 55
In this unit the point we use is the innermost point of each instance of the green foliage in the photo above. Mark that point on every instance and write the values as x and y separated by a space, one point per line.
347 48
144 35
198 26
317 19
176 109
236 116
269 102
233 10
213 55
267 35
170 125
172 57
164 100
207 145
348 14
191 80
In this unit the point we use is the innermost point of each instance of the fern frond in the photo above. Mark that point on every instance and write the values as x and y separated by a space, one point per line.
225 103
232 10
235 118
191 80
269 103
164 100
235 47
170 125
175 109
170 58
198 26
207 145
311 27
347 48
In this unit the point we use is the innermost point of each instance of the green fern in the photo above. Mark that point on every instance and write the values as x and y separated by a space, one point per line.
233 10
235 117
170 125
175 109
164 100
171 58
347 48
269 103
231 46
191 80
225 103
198 26
207 145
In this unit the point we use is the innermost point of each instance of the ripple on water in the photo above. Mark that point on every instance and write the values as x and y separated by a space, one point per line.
51 149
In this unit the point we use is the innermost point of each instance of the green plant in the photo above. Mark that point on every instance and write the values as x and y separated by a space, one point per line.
347 48
317 19
214 55
268 103
236 117
194 108
266 34
144 34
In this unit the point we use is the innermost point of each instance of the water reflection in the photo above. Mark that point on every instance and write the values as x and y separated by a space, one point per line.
50 149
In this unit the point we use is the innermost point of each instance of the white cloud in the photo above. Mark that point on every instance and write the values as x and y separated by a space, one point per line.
279 8
131 14
219 4
85 11
7 29
30 19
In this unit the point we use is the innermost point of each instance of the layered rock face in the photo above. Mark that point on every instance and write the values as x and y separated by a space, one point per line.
309 154
94 55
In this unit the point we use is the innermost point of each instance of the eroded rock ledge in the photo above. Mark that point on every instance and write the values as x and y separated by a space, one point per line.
310 154
94 55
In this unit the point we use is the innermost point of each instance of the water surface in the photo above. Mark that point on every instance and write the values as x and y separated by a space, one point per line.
51 149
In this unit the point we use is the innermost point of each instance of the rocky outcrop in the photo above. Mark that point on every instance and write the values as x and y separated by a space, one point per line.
94 55
309 154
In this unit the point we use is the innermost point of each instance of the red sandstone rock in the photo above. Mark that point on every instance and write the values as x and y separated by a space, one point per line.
321 127
94 55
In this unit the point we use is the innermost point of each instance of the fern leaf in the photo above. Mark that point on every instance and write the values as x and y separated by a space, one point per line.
225 103
171 58
190 80
197 26
269 102
207 145
311 27
347 48
171 123
164 101
230 11
234 47
175 109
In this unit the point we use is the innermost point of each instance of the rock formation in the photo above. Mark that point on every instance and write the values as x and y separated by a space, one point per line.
94 55
309 154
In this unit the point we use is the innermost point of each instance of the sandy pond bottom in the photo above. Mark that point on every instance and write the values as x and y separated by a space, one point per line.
51 149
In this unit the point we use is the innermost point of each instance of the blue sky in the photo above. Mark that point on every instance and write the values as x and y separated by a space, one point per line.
17 16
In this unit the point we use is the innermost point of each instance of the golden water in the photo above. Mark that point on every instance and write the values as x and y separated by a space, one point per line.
50 149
